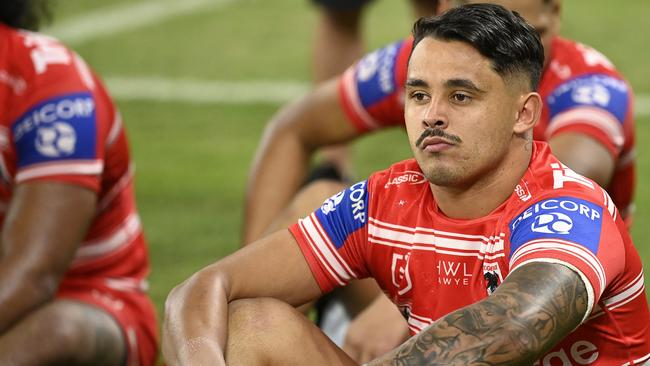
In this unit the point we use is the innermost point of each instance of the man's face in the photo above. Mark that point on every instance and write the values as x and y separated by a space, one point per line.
452 91
544 16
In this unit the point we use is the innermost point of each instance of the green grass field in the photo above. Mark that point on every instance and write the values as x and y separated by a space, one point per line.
192 158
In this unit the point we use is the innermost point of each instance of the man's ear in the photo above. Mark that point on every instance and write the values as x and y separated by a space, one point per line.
530 109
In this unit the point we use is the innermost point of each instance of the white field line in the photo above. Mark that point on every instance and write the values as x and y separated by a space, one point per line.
122 18
202 92
236 92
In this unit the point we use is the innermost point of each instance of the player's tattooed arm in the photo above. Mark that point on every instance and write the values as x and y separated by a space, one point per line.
533 309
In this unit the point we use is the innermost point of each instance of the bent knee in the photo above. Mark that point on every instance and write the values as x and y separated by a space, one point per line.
85 333
259 314
313 195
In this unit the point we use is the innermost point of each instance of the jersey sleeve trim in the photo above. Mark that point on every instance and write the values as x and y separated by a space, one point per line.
597 118
70 167
115 130
325 249
123 235
326 265
583 278
556 249
631 291
326 280
351 102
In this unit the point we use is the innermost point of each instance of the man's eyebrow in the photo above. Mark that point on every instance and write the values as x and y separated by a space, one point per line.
465 84
414 83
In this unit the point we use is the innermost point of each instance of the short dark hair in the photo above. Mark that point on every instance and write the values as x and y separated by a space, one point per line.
501 35
25 14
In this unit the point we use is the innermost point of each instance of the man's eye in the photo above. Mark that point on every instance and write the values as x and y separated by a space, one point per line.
418 96
461 98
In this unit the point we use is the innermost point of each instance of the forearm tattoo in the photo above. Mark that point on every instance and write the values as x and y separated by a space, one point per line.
531 311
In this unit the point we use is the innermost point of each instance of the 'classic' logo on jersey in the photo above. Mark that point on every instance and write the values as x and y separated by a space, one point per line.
410 177
522 191
55 140
554 222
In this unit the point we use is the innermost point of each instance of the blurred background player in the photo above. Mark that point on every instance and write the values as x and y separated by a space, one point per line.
338 43
73 259
587 119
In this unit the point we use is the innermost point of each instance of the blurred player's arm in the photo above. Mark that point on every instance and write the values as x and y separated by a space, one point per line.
282 159
43 227
196 311
585 155
534 308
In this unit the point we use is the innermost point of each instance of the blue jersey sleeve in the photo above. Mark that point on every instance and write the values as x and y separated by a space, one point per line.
344 213
59 130
565 219
592 90
375 75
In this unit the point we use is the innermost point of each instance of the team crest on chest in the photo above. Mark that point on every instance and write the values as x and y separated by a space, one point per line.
400 273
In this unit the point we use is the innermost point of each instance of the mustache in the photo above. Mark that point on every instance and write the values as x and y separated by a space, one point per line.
437 132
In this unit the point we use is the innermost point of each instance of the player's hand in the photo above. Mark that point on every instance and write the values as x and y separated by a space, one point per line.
375 331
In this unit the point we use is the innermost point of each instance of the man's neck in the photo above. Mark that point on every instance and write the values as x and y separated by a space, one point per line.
487 193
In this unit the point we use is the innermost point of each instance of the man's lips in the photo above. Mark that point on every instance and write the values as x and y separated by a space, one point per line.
435 140
435 144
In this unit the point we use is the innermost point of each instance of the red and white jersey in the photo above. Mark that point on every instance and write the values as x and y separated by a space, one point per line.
58 123
390 228
582 93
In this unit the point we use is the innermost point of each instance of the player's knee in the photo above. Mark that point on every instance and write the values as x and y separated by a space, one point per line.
251 315
81 334
305 202
314 194
259 317
262 331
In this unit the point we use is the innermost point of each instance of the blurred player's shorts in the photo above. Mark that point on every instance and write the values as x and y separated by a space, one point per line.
333 319
341 4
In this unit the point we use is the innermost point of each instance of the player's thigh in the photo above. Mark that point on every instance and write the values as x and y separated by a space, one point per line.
131 309
313 195
307 200
268 331
64 332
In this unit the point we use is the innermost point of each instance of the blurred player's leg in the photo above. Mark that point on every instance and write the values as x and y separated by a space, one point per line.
64 333
307 200
337 44
425 8
270 332
338 40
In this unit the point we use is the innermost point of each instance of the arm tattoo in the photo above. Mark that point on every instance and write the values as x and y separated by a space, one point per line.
532 310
